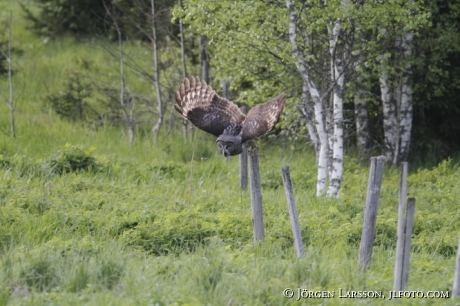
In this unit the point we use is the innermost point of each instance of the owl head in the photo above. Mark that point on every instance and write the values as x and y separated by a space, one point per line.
229 145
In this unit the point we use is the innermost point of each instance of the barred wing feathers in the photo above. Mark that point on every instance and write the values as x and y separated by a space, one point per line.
261 119
200 104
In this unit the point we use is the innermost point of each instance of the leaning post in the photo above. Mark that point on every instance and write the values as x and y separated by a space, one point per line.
293 212
370 212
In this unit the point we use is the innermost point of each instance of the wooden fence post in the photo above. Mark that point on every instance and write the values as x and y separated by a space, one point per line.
292 212
244 162
370 211
244 155
244 169
456 288
256 194
397 285
407 241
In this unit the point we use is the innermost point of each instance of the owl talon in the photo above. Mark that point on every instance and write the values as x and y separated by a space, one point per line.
250 145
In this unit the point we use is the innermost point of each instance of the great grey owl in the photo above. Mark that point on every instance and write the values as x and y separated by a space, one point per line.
197 102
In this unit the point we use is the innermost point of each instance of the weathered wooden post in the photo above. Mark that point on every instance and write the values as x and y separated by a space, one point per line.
456 288
256 194
292 212
397 284
407 241
370 211
244 163
244 155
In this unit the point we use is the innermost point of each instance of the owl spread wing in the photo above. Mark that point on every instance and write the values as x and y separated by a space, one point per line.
262 118
197 102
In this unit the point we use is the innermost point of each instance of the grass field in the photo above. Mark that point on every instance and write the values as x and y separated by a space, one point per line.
87 219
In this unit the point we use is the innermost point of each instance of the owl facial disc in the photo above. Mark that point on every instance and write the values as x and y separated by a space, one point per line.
227 148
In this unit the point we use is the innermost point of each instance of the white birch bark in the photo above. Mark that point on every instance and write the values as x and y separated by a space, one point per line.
184 67
337 77
405 111
307 113
318 106
362 123
156 71
390 123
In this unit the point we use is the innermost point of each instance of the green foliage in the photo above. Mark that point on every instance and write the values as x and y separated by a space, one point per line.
436 85
71 103
185 223
56 18
72 158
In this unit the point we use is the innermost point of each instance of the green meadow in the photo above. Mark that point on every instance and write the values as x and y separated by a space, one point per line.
88 219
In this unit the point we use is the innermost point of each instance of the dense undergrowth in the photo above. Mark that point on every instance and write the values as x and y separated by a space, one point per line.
86 218
89 224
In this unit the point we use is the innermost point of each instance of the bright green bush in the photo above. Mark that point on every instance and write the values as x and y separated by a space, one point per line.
72 158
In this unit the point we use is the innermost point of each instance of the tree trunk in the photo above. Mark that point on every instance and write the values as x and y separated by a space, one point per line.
390 126
156 69
362 124
204 60
307 113
131 133
397 103
406 110
184 68
129 117
192 55
338 77
318 103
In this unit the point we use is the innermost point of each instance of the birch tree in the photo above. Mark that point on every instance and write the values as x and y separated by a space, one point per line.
127 104
330 138
406 104
396 95
362 119
156 69
310 86
311 48
184 67
338 81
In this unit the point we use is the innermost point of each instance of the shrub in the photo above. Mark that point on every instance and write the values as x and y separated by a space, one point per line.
72 159
72 102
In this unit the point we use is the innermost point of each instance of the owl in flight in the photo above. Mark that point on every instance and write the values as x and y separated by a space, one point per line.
197 102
